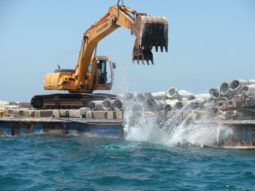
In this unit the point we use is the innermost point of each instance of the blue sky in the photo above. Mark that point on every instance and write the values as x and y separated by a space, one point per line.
209 42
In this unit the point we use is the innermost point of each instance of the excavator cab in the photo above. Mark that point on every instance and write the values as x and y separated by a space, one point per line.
104 74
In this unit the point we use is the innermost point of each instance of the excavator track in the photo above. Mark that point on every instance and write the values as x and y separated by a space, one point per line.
67 101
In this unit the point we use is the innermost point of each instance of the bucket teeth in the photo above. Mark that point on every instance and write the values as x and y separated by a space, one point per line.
141 54
156 47
166 48
151 31
161 48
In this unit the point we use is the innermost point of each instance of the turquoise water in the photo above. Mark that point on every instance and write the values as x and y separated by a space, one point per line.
54 162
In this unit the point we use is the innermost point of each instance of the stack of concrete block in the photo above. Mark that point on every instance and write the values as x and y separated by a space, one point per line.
63 113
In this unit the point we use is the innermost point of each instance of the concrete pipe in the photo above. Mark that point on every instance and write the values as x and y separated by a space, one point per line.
176 104
221 104
162 105
167 107
237 84
84 110
231 104
224 89
92 105
172 93
214 93
96 105
117 104
248 89
159 95
107 104
101 105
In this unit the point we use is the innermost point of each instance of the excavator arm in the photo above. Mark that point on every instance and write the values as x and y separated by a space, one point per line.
150 31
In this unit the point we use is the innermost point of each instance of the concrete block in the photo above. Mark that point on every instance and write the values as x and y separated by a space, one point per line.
84 110
119 114
55 113
63 113
74 113
8 112
111 115
17 113
28 113
37 113
99 115
89 114
43 113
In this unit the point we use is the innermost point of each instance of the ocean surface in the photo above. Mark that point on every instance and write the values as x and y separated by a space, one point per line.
76 162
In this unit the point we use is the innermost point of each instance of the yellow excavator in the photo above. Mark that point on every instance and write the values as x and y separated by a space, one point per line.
96 72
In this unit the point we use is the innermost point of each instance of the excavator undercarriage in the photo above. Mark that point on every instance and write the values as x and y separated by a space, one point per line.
67 101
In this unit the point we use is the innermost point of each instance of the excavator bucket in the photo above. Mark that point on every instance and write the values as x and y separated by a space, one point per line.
151 31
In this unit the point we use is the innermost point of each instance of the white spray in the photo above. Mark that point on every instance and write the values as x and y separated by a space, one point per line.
141 125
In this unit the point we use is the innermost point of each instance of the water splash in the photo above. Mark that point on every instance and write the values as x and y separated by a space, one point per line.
172 128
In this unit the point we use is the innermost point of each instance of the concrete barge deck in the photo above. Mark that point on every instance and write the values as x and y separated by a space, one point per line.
95 127
242 134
